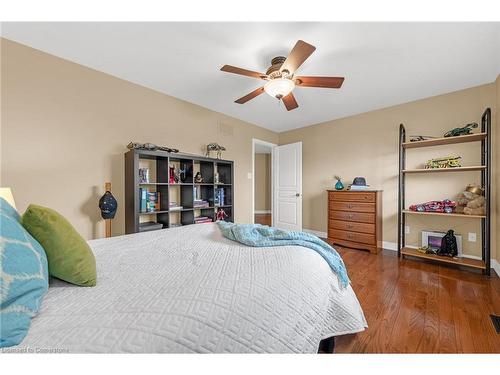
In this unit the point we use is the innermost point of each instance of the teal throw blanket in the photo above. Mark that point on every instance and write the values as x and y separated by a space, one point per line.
257 235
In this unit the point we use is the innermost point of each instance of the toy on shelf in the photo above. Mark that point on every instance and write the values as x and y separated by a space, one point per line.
444 162
466 130
418 138
471 201
221 214
444 206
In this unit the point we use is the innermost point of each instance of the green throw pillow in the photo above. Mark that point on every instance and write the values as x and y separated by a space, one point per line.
68 254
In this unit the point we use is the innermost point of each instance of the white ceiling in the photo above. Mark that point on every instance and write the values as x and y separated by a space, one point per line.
384 63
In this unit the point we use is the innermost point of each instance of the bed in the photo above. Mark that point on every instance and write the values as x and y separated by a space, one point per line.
189 290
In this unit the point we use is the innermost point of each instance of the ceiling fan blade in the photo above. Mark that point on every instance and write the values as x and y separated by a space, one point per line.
299 53
290 102
243 72
250 96
326 82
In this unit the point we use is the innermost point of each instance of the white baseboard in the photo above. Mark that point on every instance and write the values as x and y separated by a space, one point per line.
393 246
496 266
260 212
316 233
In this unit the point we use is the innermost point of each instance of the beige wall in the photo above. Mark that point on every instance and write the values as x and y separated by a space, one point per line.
367 145
262 182
65 128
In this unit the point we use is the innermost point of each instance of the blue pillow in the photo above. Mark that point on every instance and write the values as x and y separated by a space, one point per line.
23 277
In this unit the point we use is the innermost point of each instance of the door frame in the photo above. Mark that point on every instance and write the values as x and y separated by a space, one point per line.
256 141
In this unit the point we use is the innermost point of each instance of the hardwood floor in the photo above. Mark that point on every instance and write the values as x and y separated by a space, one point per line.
418 307
264 219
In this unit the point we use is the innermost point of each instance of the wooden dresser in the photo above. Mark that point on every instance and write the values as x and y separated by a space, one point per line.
355 219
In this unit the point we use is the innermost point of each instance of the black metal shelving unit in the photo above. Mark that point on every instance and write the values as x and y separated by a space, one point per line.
485 168
184 190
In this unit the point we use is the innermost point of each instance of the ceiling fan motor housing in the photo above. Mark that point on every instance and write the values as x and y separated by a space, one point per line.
274 69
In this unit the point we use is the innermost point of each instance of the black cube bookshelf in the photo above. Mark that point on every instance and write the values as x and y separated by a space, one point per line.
182 192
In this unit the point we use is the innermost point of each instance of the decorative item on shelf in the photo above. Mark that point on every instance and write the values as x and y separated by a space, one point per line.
198 178
215 147
449 245
339 185
150 147
172 178
465 130
221 214
418 138
444 162
108 206
444 206
432 240
359 184
217 178
143 175
182 174
426 250
471 201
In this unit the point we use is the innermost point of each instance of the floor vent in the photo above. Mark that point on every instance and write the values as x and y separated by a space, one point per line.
496 322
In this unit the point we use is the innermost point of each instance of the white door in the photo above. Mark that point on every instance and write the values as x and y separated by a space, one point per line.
287 192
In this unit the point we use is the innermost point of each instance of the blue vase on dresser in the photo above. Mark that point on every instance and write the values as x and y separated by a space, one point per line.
339 185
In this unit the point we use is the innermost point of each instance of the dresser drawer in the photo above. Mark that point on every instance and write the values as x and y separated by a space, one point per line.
352 196
368 239
351 226
360 217
352 206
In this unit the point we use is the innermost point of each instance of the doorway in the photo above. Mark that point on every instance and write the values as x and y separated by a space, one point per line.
262 155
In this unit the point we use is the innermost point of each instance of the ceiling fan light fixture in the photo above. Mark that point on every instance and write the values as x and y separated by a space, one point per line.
279 87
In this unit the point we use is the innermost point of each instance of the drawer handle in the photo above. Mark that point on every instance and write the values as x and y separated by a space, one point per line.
349 205
350 216
349 226
350 236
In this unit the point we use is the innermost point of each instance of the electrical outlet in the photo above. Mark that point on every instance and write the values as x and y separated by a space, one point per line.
407 229
249 175
472 237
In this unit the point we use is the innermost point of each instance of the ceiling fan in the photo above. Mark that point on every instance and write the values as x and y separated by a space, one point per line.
281 79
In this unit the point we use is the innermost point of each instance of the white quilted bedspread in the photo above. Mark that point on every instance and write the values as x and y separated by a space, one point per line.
188 289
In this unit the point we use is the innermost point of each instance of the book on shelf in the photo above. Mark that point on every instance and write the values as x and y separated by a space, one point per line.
219 197
149 200
143 193
153 201
174 206
200 203
202 219
149 225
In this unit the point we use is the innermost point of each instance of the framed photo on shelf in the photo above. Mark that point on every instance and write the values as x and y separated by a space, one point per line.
433 240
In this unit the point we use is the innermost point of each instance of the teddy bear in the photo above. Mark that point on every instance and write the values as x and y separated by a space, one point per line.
471 201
